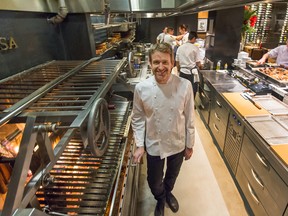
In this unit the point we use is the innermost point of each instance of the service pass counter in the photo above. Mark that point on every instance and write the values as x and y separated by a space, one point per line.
252 140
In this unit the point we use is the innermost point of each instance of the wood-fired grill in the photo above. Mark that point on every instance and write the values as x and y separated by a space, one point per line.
70 178
81 183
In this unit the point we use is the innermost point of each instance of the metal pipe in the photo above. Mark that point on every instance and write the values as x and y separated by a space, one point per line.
107 12
62 13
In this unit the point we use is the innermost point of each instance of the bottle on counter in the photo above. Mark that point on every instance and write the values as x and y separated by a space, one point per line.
225 66
218 66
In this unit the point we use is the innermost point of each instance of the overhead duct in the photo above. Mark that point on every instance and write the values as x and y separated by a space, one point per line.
52 6
107 12
62 13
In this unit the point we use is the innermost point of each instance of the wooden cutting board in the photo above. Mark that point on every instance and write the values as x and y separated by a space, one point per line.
243 106
281 151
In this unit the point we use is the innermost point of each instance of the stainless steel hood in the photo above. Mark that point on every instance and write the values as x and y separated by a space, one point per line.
142 6
193 6
166 7
76 6
177 7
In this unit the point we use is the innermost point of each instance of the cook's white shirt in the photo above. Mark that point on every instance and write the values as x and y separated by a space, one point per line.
281 54
163 116
185 38
187 55
160 37
170 39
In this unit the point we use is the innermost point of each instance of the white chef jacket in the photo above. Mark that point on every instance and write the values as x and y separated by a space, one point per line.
160 37
187 55
163 116
185 38
170 39
281 54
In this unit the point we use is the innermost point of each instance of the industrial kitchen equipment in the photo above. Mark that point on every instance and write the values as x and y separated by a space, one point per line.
74 138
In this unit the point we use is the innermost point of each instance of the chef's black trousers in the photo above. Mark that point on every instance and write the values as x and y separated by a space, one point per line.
190 77
155 173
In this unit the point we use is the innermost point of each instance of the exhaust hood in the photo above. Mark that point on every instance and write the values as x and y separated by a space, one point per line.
193 6
176 7
142 6
166 7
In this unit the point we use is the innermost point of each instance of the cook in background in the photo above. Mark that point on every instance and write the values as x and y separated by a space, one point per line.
188 60
163 125
173 40
280 53
183 30
160 37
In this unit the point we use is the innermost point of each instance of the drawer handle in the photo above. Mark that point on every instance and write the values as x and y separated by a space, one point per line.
253 194
218 103
217 117
262 160
215 127
257 178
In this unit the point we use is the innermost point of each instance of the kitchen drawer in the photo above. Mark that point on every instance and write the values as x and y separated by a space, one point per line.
218 129
271 180
249 193
220 110
259 188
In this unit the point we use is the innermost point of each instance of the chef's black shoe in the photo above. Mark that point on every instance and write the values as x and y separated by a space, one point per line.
172 202
159 209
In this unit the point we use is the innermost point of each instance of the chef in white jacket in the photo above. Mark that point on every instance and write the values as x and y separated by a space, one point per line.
163 125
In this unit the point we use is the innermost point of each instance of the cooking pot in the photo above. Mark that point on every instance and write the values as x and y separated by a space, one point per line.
140 55
140 48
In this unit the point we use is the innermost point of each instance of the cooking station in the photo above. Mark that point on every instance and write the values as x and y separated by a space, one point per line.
252 81
74 140
251 133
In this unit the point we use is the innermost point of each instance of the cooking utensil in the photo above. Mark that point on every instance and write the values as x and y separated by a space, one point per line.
246 96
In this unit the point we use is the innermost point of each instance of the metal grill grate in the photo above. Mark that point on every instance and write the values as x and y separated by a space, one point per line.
82 182
17 88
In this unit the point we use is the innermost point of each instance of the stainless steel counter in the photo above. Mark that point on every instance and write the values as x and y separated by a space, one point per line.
222 81
217 84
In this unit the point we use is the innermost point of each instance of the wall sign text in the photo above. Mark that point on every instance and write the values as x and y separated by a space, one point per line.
7 43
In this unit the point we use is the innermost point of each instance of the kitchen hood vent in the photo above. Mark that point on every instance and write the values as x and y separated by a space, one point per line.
194 6
142 6
176 7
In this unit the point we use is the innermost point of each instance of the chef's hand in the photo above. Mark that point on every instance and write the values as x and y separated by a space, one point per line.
138 154
261 61
188 153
